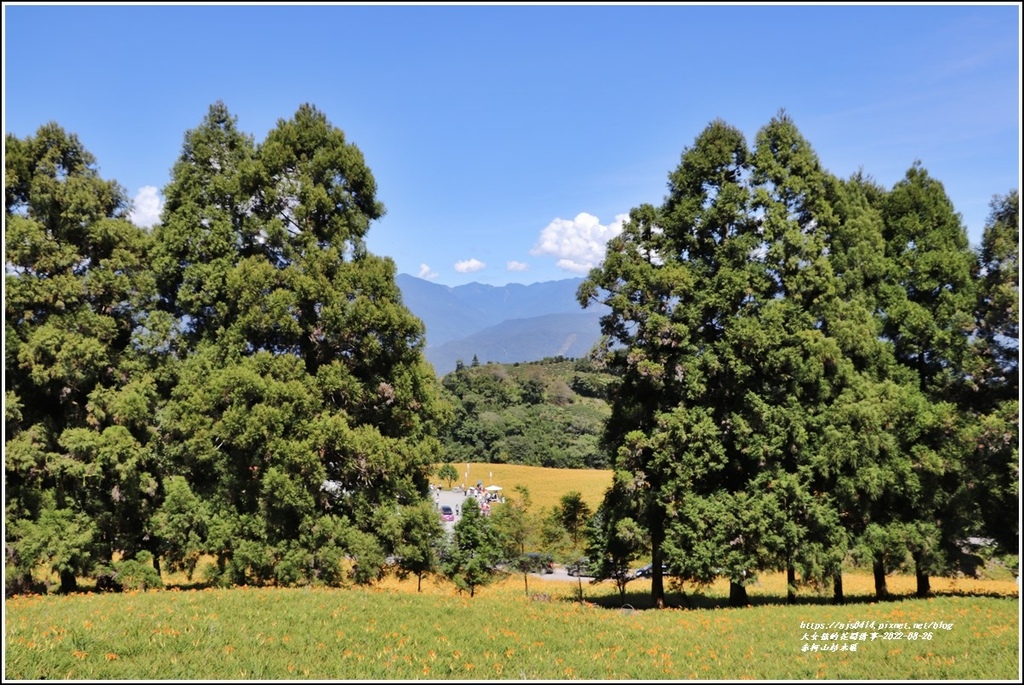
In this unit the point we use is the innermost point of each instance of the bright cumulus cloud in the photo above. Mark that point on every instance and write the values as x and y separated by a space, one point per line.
468 266
517 266
426 273
578 243
146 207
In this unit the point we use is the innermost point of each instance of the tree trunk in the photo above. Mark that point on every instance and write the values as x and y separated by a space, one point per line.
790 584
657 527
657 587
68 582
526 583
881 591
419 581
837 588
738 595
154 549
924 586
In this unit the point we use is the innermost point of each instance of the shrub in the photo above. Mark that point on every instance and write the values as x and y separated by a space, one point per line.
129 574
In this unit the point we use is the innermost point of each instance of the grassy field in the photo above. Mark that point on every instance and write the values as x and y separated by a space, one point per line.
546 485
971 631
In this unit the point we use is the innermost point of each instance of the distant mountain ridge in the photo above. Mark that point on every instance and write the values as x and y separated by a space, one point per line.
506 324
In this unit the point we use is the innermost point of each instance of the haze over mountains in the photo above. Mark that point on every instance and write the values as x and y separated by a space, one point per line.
506 324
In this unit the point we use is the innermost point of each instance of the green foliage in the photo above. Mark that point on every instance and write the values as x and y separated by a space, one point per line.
532 562
304 392
367 556
516 529
930 301
130 574
573 514
224 385
417 547
180 523
998 308
471 555
79 427
527 414
447 473
616 535
992 394
790 355
59 540
796 371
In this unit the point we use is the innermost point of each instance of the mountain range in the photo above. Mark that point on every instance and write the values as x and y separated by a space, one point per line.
505 324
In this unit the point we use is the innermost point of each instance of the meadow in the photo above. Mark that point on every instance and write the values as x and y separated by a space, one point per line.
545 485
969 631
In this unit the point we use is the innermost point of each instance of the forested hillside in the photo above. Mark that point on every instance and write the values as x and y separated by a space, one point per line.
547 413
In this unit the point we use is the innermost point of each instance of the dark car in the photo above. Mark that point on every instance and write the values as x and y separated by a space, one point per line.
535 562
580 567
646 571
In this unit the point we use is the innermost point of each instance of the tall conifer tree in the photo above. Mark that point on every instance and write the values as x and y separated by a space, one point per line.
80 475
928 316
681 287
992 396
304 404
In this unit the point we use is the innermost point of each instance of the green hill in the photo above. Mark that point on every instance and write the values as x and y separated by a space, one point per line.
548 413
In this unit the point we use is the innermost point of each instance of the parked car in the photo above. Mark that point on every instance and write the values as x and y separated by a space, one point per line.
535 562
580 567
645 571
447 513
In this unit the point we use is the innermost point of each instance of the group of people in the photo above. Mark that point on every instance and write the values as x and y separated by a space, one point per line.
482 497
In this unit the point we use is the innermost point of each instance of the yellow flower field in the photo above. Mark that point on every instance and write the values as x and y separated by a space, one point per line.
391 632
546 485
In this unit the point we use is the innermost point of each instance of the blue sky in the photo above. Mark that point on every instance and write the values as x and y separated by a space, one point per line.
508 141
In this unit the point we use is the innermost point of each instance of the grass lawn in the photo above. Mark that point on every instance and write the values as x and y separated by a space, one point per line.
970 631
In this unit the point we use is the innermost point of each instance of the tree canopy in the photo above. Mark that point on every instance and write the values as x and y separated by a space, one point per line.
797 372
793 358
243 382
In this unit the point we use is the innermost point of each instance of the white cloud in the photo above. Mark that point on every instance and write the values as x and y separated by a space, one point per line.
578 243
426 273
575 267
468 266
146 207
517 266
